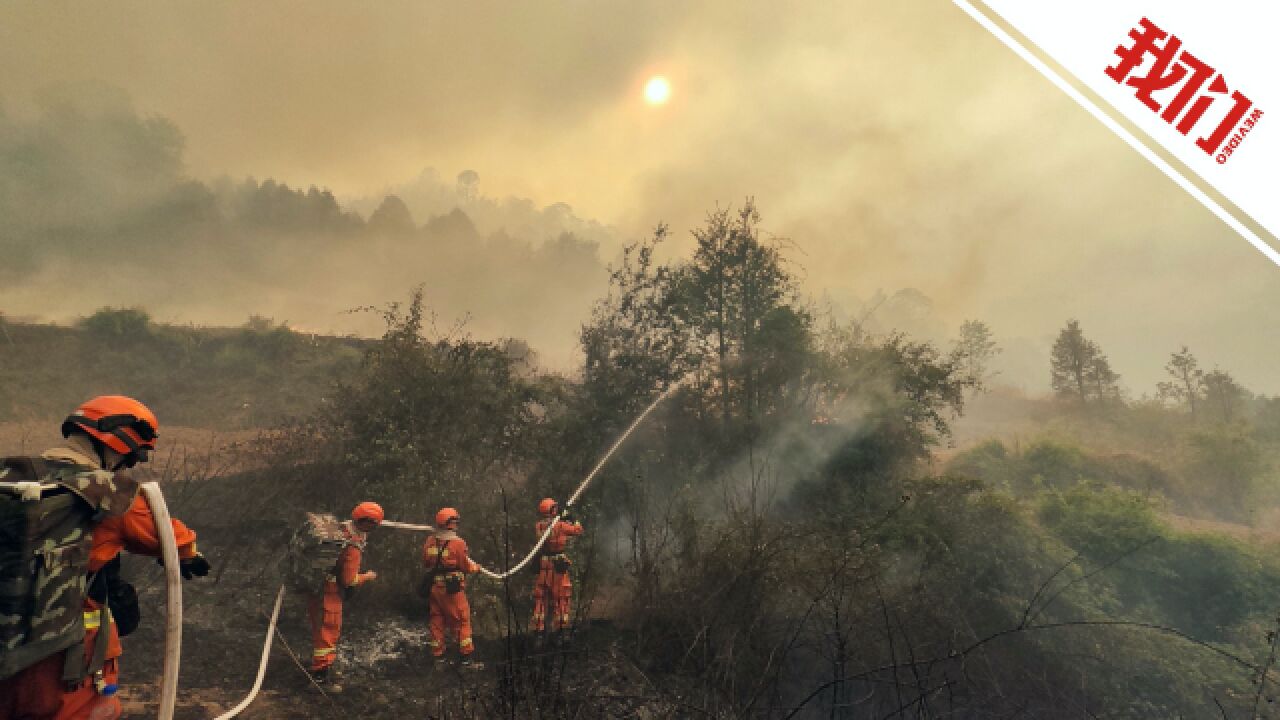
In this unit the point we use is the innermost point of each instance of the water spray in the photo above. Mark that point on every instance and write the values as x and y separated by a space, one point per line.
582 487
275 614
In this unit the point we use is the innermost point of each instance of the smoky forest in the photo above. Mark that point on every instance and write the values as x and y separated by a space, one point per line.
818 520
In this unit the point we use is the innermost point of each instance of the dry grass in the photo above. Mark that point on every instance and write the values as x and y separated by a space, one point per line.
222 450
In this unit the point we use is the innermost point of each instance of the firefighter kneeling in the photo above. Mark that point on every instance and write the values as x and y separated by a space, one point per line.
445 557
553 587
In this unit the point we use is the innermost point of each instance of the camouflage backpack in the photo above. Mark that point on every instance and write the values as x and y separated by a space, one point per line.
47 512
314 551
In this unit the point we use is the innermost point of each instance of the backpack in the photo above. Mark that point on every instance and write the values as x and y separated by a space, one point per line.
314 551
452 576
47 512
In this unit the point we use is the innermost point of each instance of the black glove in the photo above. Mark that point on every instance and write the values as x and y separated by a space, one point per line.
108 588
567 517
195 565
125 612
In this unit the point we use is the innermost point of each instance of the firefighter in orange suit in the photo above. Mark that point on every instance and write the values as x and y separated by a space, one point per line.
553 588
324 609
444 555
111 433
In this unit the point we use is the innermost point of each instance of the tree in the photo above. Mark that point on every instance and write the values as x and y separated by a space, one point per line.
1102 379
1223 395
1079 370
974 351
1069 361
1186 383
468 185
635 343
429 413
1266 419
391 218
740 300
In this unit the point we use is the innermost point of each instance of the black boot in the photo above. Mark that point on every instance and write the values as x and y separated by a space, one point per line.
327 681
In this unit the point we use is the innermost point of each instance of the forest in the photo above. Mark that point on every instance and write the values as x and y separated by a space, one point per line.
806 527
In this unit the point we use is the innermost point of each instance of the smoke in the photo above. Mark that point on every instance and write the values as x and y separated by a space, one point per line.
896 145
97 211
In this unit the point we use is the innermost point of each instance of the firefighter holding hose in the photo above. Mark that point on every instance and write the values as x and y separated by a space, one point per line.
444 555
553 588
67 515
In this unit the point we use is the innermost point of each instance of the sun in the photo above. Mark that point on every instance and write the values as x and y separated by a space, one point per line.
657 91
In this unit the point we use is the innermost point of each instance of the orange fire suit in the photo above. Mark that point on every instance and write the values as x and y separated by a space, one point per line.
324 609
553 586
37 693
445 556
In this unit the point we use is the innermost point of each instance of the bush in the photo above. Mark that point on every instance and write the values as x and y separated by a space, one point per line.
268 340
1102 523
1226 468
118 327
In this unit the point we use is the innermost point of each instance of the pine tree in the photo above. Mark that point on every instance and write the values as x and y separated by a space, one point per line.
1079 370
974 351
1187 383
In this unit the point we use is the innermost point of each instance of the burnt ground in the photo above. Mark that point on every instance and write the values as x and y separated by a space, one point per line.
385 672
384 662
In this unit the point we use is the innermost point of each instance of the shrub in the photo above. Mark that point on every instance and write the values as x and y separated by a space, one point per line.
118 327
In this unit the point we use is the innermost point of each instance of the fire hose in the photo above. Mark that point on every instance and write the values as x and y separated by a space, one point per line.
173 599
262 664
173 613
266 647
582 487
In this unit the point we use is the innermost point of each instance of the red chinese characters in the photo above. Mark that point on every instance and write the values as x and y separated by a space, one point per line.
1173 67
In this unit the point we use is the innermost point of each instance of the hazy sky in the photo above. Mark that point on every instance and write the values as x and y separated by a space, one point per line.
896 144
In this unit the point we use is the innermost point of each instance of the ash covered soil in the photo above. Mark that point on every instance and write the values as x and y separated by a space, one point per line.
384 666
385 670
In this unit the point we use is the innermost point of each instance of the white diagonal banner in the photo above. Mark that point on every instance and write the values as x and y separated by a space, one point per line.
1197 80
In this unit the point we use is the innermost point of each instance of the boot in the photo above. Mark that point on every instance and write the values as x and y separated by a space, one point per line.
326 680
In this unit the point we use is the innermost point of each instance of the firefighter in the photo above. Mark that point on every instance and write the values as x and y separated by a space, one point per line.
445 557
553 588
324 609
104 437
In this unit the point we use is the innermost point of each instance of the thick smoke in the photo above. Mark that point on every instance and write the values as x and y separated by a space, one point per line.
897 145
97 211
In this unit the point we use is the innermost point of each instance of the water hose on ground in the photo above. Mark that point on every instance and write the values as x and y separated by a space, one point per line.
275 614
262 664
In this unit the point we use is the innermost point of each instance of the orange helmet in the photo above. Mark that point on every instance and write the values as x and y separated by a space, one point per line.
121 423
547 506
445 516
368 511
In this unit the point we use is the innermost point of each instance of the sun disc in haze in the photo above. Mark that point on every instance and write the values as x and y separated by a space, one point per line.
657 91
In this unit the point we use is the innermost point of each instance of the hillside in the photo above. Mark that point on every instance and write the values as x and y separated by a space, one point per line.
816 522
253 376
